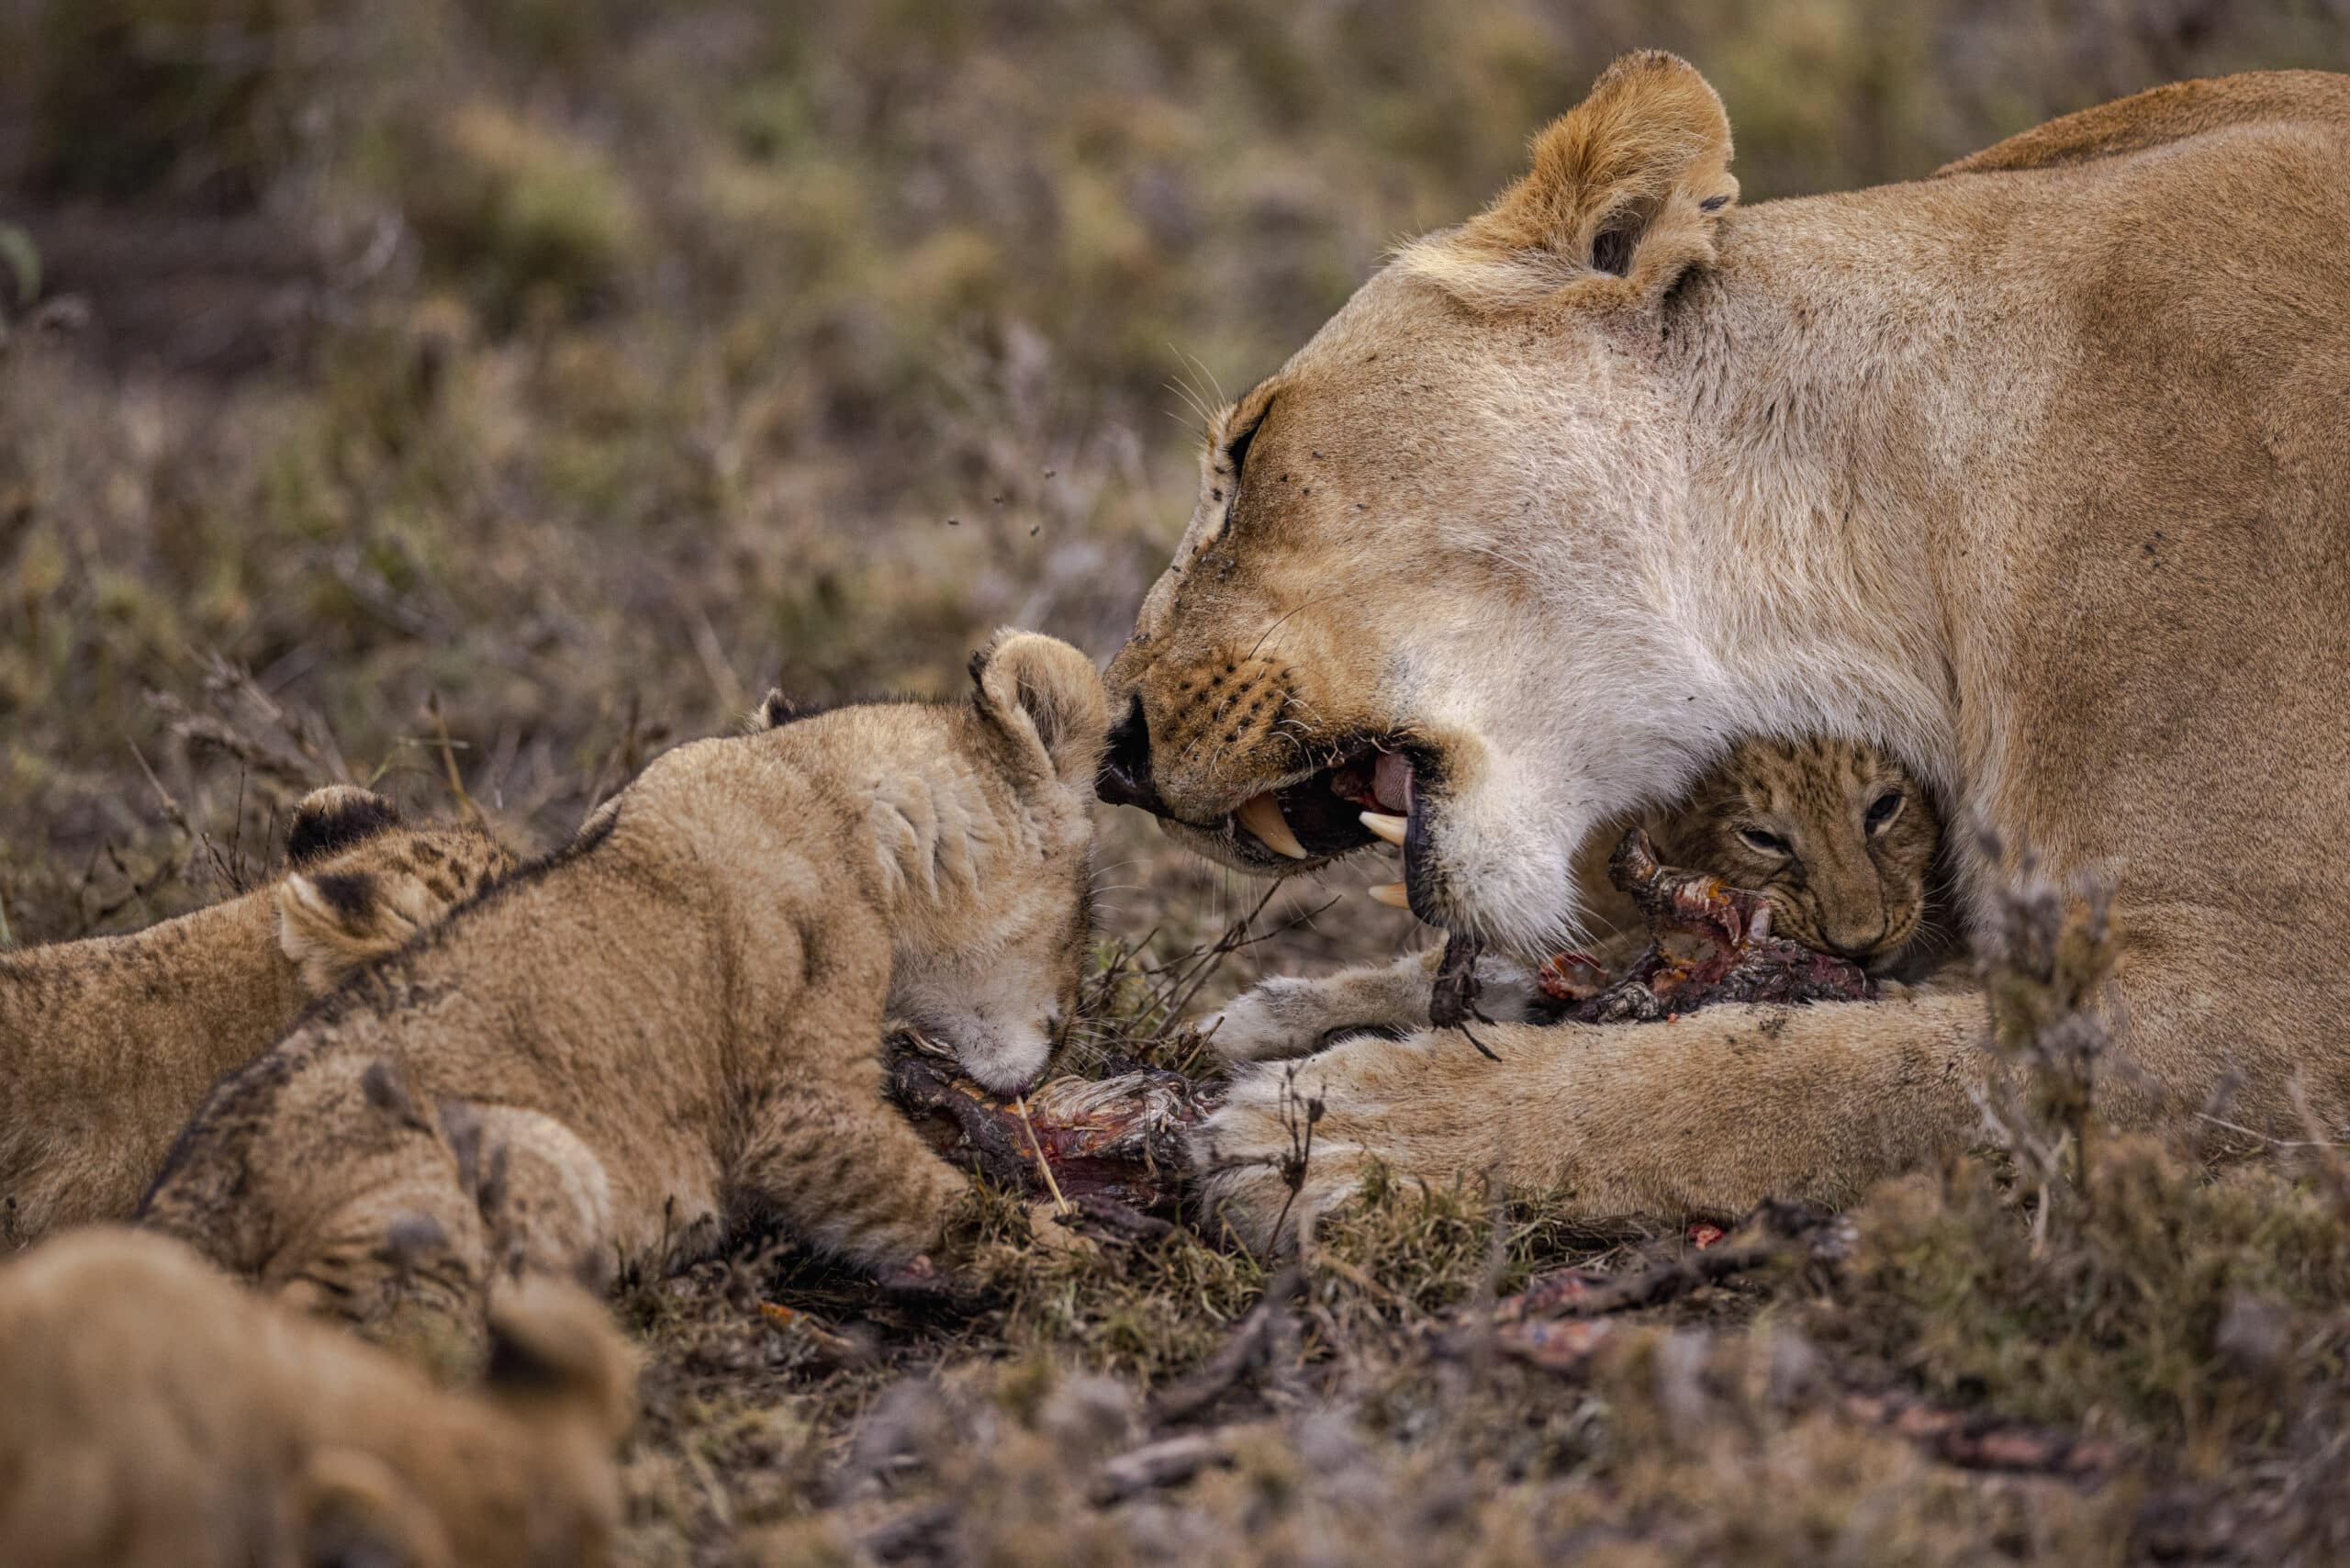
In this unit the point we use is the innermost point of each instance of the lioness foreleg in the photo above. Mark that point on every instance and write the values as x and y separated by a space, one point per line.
1706 1114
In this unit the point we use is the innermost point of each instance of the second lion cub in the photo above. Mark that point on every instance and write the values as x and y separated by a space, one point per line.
674 1024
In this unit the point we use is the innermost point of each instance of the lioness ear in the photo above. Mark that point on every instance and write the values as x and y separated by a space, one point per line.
1042 692
329 821
1624 194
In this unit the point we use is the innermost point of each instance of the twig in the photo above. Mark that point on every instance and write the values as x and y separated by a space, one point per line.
1171 1462
1250 1342
1980 1441
1060 1203
449 762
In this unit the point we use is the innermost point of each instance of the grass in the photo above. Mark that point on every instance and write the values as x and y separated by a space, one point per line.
505 391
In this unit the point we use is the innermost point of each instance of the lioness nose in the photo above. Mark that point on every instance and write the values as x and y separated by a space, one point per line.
1124 779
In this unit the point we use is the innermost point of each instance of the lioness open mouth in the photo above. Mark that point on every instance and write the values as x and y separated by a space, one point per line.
1371 792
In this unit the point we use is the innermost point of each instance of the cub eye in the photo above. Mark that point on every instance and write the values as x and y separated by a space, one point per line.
1882 810
1766 842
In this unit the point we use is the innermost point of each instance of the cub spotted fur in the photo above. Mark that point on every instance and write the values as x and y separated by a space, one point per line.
107 1046
161 1417
674 1024
1837 836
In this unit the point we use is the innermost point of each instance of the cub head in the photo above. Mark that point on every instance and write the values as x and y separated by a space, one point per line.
982 822
1840 837
1444 565
361 884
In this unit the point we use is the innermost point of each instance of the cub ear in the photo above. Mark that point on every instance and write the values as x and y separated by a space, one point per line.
1624 196
552 1347
330 923
1042 692
329 821
774 711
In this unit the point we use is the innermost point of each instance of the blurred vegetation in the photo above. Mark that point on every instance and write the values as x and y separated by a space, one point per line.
516 386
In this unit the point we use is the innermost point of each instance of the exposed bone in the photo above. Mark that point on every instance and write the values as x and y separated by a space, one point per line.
1383 825
1261 815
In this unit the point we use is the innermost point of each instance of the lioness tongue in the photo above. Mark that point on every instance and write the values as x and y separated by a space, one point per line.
1390 780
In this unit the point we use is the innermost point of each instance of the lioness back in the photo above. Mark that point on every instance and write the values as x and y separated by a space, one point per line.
107 1046
674 1022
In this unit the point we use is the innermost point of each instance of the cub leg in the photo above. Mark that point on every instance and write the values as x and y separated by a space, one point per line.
545 1198
847 1174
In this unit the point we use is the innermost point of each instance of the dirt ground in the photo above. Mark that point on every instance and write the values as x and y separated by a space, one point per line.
471 399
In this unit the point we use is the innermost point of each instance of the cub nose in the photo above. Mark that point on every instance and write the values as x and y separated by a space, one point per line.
1124 779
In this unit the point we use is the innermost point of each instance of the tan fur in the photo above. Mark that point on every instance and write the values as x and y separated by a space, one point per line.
107 1046
1848 882
161 1417
674 1025
2032 474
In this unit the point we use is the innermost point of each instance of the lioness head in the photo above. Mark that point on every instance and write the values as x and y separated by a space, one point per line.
982 819
1838 834
1439 568
362 883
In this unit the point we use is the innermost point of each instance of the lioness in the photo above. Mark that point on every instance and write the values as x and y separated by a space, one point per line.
2033 472
107 1046
676 1022
1840 838
159 1414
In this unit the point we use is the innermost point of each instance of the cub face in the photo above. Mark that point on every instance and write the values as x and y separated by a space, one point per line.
361 884
1839 836
1000 981
982 819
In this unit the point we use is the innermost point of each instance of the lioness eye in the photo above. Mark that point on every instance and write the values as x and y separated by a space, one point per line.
1767 842
1882 810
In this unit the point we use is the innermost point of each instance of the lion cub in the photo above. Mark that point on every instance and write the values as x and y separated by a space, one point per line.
107 1046
1840 837
161 1415
674 1024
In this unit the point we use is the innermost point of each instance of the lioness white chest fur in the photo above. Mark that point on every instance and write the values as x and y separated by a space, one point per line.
2033 472
674 1024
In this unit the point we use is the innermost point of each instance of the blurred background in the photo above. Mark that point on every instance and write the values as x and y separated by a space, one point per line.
477 397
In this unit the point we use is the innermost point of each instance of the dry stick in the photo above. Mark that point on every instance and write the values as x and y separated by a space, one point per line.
1171 1462
1240 1354
1060 1203
449 763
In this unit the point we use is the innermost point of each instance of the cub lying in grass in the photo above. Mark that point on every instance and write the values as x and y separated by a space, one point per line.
107 1046
160 1415
675 1023
1837 836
